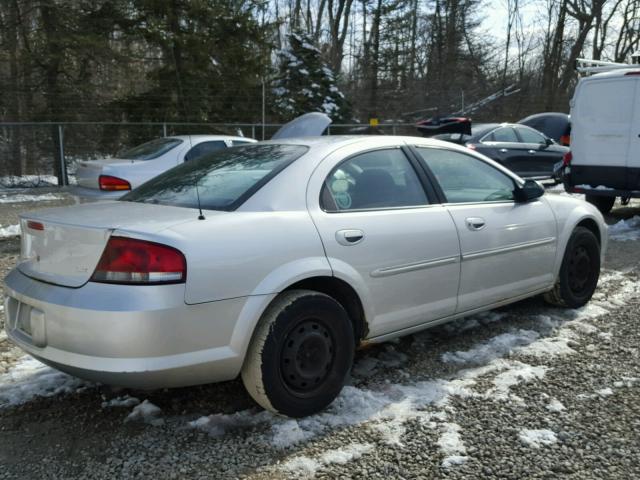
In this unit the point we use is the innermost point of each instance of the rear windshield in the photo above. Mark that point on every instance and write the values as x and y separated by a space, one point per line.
224 179
150 150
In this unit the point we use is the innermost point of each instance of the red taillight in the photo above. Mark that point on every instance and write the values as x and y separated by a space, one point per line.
471 146
127 260
635 72
565 140
566 159
111 184
35 225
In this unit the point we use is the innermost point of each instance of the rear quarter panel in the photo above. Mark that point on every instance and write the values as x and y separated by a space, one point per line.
240 254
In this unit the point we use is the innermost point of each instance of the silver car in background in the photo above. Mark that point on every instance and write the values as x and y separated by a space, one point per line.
275 260
110 178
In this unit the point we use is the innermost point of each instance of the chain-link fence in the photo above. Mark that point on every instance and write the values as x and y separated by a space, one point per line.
34 154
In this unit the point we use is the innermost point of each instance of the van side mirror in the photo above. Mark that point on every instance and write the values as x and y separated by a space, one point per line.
530 190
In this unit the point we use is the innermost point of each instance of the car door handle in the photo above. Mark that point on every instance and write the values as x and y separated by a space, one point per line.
349 237
475 223
503 150
532 152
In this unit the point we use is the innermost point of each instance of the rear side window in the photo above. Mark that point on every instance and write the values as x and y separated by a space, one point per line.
502 134
203 149
373 180
235 143
224 179
466 179
150 150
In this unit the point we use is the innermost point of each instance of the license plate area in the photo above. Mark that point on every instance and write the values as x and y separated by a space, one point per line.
25 321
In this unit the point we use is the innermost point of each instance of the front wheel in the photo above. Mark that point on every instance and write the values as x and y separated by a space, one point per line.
300 354
604 204
579 272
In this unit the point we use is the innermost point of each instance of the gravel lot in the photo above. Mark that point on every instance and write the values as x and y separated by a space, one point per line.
527 391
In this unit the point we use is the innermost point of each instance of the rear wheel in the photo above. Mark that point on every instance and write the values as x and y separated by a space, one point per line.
604 204
579 272
300 355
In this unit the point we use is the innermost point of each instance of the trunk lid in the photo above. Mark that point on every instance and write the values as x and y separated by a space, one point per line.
68 247
88 171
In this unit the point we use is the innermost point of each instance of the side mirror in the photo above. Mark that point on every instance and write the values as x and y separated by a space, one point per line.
530 190
548 141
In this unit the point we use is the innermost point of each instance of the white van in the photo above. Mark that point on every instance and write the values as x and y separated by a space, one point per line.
604 162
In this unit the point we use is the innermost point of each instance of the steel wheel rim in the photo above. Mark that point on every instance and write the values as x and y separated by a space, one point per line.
580 270
307 356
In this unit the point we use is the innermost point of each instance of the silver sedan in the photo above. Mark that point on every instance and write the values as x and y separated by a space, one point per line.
275 260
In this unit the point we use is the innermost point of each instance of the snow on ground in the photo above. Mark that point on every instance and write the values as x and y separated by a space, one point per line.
9 231
25 181
625 230
495 347
29 378
451 445
124 401
537 438
555 405
24 198
146 412
305 467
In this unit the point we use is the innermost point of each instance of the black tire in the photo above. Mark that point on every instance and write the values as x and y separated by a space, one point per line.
579 272
604 204
299 326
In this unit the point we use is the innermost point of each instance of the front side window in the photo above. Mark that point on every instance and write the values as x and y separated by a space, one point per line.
530 136
150 150
466 179
373 180
224 179
502 134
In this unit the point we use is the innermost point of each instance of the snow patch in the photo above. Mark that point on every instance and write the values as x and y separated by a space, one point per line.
555 405
537 438
22 198
495 347
605 392
9 231
305 467
625 230
29 378
451 444
124 401
146 412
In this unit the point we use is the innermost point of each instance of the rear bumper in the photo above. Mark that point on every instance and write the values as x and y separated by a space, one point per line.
139 337
95 194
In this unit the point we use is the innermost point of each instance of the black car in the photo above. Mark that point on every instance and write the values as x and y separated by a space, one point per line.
553 124
521 149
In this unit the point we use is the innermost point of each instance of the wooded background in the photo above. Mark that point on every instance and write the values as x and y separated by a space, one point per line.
211 60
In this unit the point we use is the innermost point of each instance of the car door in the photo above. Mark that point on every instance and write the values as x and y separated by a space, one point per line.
540 156
500 145
383 235
508 248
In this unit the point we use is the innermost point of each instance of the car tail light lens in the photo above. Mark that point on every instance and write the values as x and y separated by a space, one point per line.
31 225
112 184
131 261
566 159
471 146
565 140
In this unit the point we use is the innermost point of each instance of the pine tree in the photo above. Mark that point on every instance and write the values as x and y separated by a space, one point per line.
305 82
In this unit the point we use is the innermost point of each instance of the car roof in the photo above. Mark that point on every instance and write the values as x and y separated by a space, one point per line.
211 137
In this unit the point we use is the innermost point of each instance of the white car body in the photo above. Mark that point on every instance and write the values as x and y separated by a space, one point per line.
136 172
408 268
